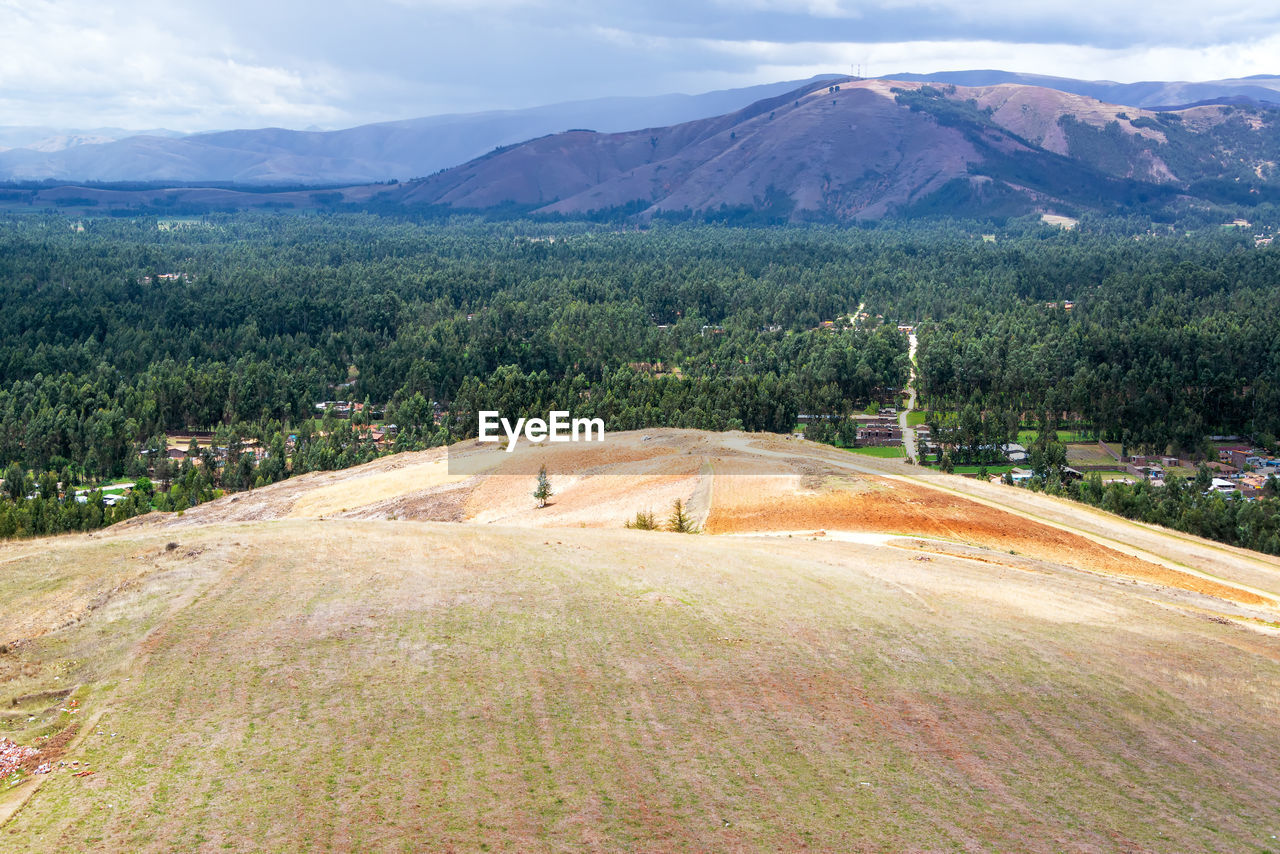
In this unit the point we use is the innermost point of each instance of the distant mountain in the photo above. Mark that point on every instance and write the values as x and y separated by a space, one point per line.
873 147
1263 88
56 139
831 150
377 152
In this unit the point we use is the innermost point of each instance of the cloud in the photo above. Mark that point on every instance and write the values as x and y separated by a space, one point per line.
1085 22
61 60
1063 60
203 64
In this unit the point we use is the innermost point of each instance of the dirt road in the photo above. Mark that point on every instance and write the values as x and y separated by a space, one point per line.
908 435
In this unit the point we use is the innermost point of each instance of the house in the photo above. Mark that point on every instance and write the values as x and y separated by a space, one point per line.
1021 476
1015 453
1253 480
882 431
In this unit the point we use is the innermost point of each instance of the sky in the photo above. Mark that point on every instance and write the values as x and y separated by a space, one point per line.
195 65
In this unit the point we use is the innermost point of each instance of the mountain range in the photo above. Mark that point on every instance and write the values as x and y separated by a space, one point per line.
859 149
1155 95
403 150
364 154
830 149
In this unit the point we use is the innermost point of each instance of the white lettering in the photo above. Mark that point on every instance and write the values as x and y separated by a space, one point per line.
556 428
488 423
512 435
559 425
587 425
535 430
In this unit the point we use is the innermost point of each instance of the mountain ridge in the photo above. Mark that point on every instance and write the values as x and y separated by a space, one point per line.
398 149
864 149
1151 94
852 149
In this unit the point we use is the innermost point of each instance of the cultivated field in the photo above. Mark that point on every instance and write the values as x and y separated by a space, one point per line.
858 655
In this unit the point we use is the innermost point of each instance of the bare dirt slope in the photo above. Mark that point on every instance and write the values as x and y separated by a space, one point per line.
856 657
739 483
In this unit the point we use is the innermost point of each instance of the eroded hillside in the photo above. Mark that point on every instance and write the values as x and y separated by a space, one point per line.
853 656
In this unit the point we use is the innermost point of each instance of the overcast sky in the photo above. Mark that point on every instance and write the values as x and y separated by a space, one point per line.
199 65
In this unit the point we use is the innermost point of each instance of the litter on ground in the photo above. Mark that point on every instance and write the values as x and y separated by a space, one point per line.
13 755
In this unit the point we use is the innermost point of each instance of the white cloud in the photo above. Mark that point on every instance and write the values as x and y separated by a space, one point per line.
771 59
201 64
62 61
1187 22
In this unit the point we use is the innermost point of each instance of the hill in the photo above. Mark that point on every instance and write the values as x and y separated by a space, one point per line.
1152 94
827 151
867 148
943 664
375 152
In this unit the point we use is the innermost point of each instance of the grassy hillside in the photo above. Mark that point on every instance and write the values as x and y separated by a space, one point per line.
383 686
368 684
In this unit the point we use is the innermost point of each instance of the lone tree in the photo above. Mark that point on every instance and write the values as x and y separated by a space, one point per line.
679 521
543 492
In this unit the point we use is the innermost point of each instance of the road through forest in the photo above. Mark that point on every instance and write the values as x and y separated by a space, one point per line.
908 435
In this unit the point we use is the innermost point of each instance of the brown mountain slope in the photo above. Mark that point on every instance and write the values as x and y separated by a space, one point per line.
862 149
853 153
874 147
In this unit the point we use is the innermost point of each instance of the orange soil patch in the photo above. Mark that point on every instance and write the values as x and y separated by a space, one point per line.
903 508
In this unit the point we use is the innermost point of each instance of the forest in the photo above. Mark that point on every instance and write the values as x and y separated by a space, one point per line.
118 332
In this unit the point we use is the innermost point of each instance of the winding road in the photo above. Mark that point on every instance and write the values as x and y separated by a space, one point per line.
909 435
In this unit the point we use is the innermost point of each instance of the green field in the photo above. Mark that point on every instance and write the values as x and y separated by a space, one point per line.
885 451
1028 436
915 418
991 469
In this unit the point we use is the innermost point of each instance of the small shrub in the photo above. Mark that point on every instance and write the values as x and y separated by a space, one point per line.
644 521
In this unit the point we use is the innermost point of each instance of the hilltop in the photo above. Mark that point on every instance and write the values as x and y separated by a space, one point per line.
856 655
868 148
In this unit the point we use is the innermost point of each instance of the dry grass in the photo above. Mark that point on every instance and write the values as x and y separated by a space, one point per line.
377 486
388 686
736 483
1021 673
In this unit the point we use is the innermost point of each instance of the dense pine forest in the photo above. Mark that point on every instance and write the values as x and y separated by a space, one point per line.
118 333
